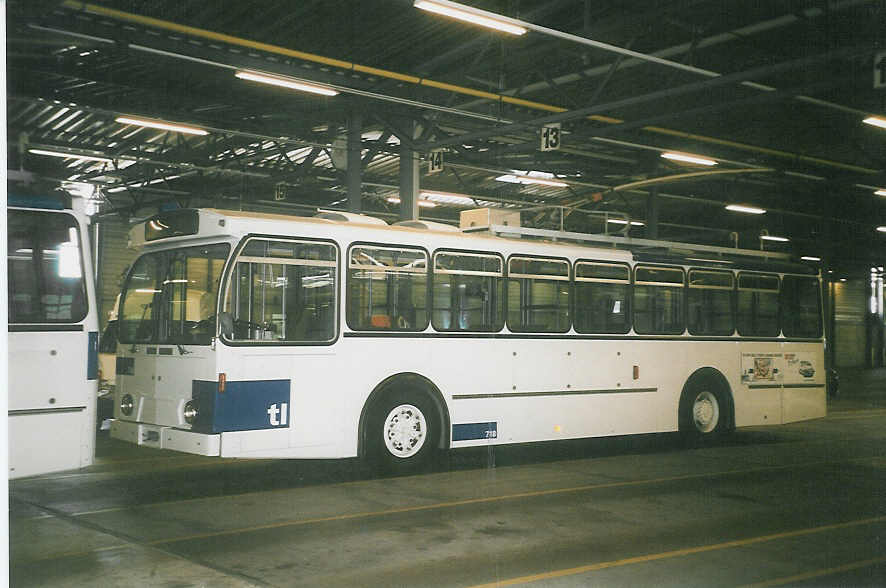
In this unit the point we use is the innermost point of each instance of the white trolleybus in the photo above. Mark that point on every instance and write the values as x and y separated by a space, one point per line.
53 338
269 336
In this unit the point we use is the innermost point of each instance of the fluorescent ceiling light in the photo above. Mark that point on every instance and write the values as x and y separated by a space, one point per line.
285 82
159 124
810 258
876 121
880 192
882 229
686 158
746 209
618 221
472 15
69 155
774 238
142 185
422 203
518 179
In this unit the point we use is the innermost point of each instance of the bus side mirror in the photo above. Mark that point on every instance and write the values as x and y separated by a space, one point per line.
226 325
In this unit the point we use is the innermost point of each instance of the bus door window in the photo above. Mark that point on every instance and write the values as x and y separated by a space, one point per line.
468 292
46 282
601 297
757 308
538 295
283 291
658 300
710 302
801 307
387 288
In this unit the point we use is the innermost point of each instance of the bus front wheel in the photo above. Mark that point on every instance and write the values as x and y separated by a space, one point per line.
403 433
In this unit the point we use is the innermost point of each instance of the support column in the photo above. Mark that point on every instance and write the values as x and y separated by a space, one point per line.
409 179
355 165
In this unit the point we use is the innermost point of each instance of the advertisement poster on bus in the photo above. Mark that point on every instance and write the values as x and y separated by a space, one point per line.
777 368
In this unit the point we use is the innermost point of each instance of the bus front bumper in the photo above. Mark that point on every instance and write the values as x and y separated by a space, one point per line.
166 438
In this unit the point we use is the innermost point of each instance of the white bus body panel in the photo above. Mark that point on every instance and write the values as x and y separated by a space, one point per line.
51 402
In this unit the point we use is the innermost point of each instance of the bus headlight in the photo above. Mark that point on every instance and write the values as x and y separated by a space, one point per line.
127 404
190 412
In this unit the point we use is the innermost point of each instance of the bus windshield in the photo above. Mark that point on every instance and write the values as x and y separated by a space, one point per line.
170 296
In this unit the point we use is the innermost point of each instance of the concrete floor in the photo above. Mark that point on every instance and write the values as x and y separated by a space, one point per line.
803 504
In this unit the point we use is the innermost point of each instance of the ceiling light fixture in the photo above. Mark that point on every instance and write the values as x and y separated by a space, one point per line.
877 121
515 179
687 158
69 155
882 229
159 124
745 209
881 192
286 82
422 203
810 258
618 221
774 238
472 15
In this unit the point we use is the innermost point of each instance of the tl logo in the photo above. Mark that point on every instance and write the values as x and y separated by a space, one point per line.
278 415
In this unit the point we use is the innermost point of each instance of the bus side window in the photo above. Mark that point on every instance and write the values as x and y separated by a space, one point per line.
387 288
757 305
538 295
46 282
283 291
710 302
801 307
468 292
601 297
658 300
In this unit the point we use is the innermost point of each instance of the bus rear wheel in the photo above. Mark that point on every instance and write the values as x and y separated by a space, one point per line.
704 411
403 433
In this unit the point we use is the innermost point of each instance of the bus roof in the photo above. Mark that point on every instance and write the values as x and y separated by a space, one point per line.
171 227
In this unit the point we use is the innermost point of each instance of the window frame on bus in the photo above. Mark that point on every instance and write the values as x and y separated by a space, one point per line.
83 290
509 276
346 268
782 305
228 271
635 282
174 246
628 297
476 253
739 289
732 299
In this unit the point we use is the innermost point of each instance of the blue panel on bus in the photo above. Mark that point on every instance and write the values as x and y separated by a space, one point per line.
24 201
471 431
245 405
92 356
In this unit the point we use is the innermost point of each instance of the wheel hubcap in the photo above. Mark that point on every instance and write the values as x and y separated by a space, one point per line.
405 431
706 412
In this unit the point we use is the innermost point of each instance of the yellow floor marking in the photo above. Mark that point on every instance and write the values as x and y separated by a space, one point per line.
473 501
818 573
426 507
677 553
856 414
485 499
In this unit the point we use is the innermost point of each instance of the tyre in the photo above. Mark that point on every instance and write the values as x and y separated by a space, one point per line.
402 432
704 410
